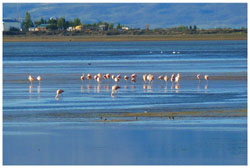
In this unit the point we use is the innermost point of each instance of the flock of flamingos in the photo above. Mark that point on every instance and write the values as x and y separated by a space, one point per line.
145 77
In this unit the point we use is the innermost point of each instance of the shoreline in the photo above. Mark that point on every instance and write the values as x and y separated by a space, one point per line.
123 38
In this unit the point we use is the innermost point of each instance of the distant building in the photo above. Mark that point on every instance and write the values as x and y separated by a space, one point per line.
32 29
9 23
125 28
79 28
42 27
70 29
103 27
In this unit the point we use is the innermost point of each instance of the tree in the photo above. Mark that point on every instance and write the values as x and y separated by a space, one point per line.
61 23
42 21
195 27
118 26
111 26
27 23
76 22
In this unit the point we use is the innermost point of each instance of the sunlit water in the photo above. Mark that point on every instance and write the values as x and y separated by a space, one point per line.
29 110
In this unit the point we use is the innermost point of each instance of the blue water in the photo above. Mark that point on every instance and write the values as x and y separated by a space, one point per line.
61 64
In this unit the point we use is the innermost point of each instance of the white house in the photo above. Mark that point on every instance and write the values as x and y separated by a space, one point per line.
125 28
9 23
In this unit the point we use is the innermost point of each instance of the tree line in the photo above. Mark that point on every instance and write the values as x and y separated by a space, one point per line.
62 24
59 26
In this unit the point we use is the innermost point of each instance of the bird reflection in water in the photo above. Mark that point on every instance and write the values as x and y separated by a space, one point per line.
198 87
177 87
82 88
133 87
206 86
30 88
98 88
125 87
166 88
149 88
38 91
88 87
30 91
106 87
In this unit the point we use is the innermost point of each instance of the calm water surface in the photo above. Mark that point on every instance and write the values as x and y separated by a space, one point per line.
32 126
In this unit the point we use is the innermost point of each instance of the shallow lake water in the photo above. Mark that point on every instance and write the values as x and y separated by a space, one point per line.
36 131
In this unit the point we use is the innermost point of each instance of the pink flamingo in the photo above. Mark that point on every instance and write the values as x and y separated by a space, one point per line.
31 78
39 78
165 78
59 91
114 89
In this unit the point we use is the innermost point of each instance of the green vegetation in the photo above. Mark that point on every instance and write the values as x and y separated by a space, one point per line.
27 23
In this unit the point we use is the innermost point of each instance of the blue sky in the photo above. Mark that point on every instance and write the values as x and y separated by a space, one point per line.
204 15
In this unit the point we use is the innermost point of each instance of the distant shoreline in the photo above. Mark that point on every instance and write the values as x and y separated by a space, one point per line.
117 38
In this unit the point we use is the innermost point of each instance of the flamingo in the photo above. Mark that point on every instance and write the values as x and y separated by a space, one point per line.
113 77
39 78
117 79
95 77
99 75
82 77
177 78
133 75
165 78
198 77
144 77
118 76
89 76
172 77
133 80
59 91
31 78
160 77
104 77
150 78
114 89
108 75
206 77
126 77
98 79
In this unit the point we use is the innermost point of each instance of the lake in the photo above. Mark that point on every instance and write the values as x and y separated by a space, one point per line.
88 126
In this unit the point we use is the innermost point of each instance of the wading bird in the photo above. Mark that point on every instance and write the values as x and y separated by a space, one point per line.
165 78
82 77
133 80
39 78
108 75
198 77
59 91
150 78
160 77
114 89
126 77
144 77
172 77
31 78
116 79
206 77
133 75
89 76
